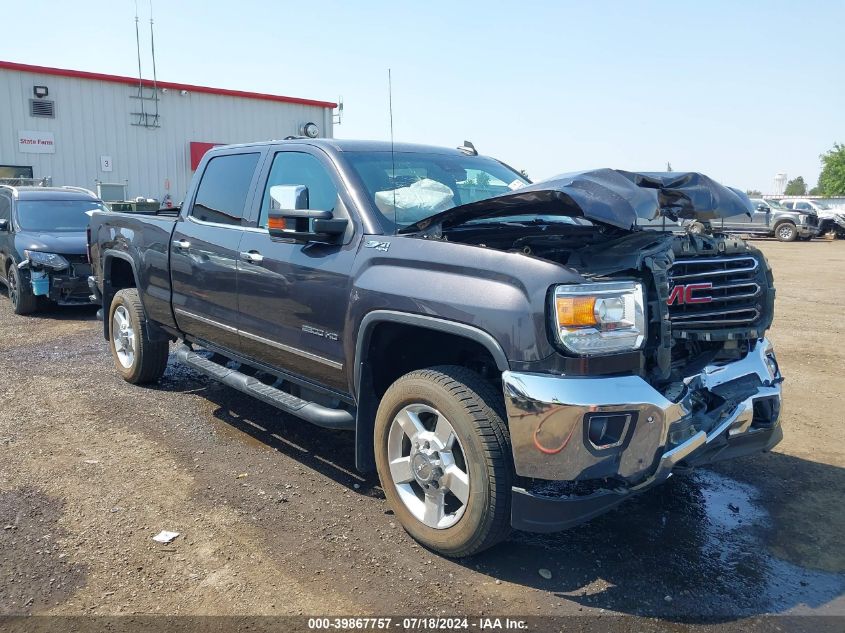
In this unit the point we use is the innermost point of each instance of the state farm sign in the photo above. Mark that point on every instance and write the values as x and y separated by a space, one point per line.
30 142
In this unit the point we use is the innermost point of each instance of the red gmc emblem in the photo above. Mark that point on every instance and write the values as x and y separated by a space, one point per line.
684 294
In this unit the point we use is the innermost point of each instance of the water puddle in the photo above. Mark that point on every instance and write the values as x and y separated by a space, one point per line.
696 546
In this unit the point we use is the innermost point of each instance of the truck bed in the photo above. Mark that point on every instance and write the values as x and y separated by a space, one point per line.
143 240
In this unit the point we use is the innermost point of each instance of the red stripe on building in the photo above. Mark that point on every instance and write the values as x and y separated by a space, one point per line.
147 83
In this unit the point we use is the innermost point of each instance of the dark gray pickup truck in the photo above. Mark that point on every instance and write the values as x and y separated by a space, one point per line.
507 354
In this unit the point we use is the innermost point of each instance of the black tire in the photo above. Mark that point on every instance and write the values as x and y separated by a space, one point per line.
20 294
697 228
806 238
475 410
786 232
149 358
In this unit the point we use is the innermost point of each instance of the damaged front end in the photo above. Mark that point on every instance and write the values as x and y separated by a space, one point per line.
63 279
708 387
686 315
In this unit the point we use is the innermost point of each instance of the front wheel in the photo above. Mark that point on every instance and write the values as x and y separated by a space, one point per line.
136 357
786 232
23 301
443 458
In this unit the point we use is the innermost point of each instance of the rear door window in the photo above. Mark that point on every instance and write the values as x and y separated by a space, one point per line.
221 197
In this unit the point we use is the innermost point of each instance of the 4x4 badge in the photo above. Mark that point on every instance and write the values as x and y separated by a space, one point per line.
379 246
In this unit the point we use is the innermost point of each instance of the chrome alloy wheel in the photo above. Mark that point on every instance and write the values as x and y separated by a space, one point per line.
785 232
428 466
123 337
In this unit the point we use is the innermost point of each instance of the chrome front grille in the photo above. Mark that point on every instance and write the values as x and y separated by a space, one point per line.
712 293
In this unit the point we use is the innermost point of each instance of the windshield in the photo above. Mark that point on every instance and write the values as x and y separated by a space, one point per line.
822 206
774 204
56 215
407 187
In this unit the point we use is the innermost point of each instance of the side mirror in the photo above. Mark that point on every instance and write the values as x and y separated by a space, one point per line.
288 197
763 207
290 218
4 225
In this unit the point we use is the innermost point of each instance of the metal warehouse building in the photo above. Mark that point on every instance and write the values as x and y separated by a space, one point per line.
134 138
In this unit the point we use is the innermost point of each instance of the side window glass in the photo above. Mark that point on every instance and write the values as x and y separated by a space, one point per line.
222 192
803 206
788 205
298 168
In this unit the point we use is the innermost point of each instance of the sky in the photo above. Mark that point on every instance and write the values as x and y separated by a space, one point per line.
736 90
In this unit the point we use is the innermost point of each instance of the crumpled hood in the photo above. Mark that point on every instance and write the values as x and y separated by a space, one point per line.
608 196
63 243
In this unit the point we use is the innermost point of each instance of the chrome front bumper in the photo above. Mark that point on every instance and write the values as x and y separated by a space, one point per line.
549 418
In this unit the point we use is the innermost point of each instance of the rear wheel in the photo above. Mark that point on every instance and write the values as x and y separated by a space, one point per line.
443 457
786 232
23 301
136 357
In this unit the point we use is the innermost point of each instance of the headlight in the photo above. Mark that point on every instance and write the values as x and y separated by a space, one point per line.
599 318
48 260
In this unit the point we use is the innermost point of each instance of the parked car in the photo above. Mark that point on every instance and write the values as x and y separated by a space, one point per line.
771 220
830 220
507 354
43 257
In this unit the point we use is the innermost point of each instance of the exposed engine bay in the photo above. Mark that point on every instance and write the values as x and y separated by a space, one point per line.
709 296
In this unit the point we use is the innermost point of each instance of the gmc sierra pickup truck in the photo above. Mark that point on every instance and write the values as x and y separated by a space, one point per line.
507 354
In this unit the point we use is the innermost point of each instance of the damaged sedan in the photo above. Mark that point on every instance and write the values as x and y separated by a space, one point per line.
507 354
43 246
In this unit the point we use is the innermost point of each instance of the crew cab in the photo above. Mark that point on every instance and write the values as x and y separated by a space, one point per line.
43 257
506 354
774 220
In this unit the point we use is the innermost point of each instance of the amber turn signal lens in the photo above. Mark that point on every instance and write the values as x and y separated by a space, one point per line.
278 224
575 311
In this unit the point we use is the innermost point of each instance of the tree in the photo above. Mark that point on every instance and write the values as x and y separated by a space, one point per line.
796 187
816 191
754 193
832 178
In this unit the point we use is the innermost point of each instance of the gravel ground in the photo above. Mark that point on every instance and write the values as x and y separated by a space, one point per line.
274 519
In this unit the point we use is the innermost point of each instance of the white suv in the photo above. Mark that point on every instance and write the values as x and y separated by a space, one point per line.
830 219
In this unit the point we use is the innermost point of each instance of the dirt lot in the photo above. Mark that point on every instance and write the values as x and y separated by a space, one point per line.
274 519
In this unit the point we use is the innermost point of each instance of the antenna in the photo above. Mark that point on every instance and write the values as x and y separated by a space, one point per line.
140 75
153 50
392 155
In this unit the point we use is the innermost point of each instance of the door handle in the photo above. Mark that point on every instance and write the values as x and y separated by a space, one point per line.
252 256
182 244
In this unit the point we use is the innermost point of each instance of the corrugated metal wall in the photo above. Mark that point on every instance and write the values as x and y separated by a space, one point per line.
93 119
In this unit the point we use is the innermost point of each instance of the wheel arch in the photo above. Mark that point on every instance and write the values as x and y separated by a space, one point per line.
443 342
115 278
